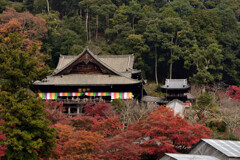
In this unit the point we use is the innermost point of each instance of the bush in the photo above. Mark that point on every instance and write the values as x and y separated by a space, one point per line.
217 125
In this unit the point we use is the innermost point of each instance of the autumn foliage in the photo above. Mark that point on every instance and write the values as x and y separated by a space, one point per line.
101 109
72 144
123 146
105 127
3 137
234 92
108 127
55 112
101 137
168 133
25 23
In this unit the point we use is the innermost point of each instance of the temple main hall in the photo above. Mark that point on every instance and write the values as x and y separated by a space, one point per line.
91 78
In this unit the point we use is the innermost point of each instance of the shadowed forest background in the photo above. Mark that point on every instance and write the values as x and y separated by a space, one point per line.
169 38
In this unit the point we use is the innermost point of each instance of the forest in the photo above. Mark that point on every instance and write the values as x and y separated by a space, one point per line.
194 39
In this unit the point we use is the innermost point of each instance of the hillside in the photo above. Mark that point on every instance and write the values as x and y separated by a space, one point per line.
169 38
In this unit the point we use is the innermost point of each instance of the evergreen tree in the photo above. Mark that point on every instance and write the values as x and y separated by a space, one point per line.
29 135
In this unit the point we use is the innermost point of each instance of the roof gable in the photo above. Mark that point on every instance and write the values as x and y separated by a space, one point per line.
85 62
120 63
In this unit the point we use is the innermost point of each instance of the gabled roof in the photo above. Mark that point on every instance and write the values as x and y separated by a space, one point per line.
86 50
120 63
227 147
61 77
188 157
175 84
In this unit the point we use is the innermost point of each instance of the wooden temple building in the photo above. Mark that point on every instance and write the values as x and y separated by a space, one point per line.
175 89
89 78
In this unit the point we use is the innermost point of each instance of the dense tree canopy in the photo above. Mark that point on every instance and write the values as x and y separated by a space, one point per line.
159 33
29 135
28 132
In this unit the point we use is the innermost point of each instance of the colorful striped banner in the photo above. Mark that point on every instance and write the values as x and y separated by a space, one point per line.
114 95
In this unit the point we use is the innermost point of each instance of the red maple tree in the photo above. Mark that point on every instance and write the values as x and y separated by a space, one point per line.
55 112
99 109
108 127
83 122
72 144
163 132
105 127
234 92
123 146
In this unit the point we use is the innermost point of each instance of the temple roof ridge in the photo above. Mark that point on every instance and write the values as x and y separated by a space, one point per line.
96 58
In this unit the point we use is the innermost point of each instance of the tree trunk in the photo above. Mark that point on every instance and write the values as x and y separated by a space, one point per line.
80 14
156 72
203 89
171 64
96 27
89 30
133 23
47 6
87 24
107 21
171 61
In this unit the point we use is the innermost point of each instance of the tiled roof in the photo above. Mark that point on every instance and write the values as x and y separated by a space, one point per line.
152 99
87 79
120 63
175 84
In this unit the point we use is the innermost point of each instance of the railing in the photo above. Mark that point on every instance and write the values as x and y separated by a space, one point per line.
82 101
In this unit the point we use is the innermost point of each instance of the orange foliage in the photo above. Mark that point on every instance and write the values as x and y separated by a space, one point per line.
73 144
109 127
105 127
159 133
25 23
123 146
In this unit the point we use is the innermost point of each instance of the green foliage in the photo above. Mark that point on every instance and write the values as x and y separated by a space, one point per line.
29 135
215 125
204 101
182 7
207 62
21 63
159 33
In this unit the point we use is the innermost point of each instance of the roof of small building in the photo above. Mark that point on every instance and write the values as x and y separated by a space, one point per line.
227 147
177 106
188 157
152 99
175 84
